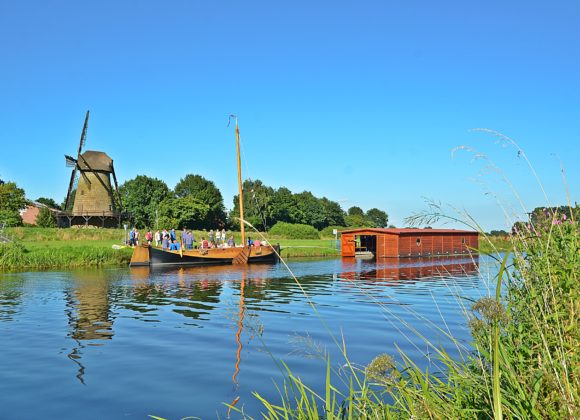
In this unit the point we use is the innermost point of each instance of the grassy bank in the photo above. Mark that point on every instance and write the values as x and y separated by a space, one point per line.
43 248
523 362
38 248
51 247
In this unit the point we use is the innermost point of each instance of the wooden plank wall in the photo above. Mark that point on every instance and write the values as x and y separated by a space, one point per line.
405 245
347 245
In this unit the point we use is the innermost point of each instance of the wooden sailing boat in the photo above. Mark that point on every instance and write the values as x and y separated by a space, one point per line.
150 256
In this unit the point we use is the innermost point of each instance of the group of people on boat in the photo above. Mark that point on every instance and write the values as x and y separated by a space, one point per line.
168 240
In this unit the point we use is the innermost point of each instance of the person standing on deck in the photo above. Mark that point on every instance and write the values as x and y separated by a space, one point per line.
187 239
211 238
172 235
157 238
218 237
224 239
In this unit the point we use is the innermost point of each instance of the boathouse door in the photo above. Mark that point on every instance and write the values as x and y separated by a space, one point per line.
347 244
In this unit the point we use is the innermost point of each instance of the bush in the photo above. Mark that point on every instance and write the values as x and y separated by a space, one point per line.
327 231
45 218
294 231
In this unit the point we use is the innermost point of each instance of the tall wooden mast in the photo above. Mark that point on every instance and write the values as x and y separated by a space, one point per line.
241 198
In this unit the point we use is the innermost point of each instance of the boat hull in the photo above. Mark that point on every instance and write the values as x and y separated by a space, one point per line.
151 256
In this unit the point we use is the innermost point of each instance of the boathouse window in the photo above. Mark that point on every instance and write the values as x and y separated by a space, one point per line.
82 192
463 241
418 241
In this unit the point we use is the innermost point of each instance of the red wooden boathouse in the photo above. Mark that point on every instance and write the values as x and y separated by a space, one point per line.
396 243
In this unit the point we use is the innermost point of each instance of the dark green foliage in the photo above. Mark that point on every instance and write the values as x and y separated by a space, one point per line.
377 217
310 210
373 218
182 212
355 211
141 197
294 231
48 202
333 213
264 207
12 200
283 205
45 218
257 205
205 192
355 220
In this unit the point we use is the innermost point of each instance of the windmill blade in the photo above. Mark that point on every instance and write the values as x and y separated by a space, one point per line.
83 134
70 187
117 188
70 161
86 177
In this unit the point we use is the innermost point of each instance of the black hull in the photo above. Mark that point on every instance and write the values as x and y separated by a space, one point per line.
159 257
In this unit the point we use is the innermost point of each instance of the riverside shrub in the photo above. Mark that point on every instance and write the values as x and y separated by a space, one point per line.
294 231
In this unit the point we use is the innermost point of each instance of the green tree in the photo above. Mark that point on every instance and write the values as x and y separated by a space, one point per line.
377 217
45 218
203 191
355 220
12 200
48 202
283 205
355 211
333 213
257 205
310 209
141 197
182 212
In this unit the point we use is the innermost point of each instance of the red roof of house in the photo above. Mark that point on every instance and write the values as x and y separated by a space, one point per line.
398 231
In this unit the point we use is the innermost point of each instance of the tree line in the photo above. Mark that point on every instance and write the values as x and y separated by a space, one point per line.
196 203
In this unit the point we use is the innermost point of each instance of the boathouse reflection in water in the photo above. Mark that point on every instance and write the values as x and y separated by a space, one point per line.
398 271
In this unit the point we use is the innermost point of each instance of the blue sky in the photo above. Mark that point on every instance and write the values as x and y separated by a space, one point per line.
361 102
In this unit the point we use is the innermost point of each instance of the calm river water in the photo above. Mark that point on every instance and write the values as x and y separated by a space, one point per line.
128 343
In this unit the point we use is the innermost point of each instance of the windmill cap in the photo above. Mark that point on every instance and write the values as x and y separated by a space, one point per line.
98 161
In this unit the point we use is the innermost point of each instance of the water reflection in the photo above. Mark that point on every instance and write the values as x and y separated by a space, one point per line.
398 271
10 301
183 324
88 310
150 290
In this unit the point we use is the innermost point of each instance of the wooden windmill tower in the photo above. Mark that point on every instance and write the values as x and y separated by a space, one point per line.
91 198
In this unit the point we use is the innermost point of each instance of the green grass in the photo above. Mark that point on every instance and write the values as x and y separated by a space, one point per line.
41 248
52 247
46 248
524 360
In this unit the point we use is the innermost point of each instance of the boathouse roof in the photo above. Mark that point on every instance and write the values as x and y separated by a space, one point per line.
413 231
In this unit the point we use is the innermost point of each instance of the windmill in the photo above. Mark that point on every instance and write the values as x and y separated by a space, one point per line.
90 194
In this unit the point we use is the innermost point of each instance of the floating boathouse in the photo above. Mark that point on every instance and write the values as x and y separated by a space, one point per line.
398 243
